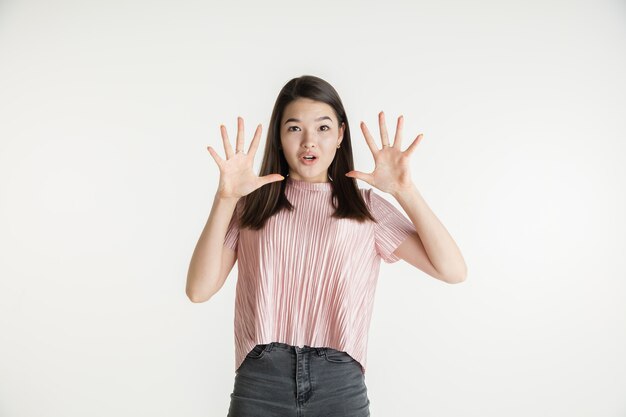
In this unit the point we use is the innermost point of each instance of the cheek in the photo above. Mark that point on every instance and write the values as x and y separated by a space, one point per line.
290 151
330 148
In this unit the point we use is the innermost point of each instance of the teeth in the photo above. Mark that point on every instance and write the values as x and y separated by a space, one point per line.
308 157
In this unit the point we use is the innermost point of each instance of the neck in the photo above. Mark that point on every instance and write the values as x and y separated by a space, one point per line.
307 185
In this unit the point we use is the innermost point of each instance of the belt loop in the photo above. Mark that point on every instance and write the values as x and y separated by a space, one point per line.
320 351
270 346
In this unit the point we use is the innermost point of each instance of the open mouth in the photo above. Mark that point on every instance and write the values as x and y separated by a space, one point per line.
309 159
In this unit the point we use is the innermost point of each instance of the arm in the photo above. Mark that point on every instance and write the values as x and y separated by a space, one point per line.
433 241
211 262
431 249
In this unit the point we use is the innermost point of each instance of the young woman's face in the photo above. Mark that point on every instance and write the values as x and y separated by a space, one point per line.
309 127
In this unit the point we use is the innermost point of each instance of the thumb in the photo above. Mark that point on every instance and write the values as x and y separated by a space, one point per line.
272 178
358 175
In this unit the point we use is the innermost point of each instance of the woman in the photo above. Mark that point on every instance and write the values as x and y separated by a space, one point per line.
309 244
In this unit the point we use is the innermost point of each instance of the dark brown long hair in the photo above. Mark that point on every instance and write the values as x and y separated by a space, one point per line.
267 200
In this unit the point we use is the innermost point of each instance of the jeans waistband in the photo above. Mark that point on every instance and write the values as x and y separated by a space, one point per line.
284 346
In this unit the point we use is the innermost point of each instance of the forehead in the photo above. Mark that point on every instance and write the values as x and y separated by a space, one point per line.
307 110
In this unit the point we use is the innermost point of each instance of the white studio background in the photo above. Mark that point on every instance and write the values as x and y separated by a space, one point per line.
106 110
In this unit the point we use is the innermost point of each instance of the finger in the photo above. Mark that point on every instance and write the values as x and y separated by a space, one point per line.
368 178
266 179
397 140
383 128
227 148
255 141
215 156
369 139
240 135
413 145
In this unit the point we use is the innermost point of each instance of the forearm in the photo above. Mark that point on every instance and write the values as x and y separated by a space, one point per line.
204 268
439 245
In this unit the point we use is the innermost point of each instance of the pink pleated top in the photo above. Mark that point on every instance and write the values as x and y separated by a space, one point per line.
307 278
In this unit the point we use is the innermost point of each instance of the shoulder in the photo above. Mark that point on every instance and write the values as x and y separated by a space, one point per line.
375 202
239 206
379 205
373 198
366 193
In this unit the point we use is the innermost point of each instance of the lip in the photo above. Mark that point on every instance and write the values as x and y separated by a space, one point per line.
305 162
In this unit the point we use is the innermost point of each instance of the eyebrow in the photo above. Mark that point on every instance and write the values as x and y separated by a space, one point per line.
298 120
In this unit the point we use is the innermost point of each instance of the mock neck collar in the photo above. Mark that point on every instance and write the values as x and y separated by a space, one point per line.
306 185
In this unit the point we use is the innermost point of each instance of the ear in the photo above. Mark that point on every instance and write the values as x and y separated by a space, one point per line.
341 130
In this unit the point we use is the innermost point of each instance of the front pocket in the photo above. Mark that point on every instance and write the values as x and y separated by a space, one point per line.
257 352
337 356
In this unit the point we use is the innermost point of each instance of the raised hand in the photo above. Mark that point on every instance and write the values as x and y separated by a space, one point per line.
391 173
237 177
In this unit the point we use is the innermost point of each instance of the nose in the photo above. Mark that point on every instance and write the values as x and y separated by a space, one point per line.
308 140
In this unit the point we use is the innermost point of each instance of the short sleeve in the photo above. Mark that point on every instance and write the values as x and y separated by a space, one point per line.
231 240
392 228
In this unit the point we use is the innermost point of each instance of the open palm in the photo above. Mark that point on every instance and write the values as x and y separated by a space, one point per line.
237 178
391 172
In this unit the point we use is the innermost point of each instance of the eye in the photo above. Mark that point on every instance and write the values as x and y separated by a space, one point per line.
327 127
289 128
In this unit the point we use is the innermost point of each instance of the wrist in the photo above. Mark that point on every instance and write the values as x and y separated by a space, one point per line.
226 199
403 191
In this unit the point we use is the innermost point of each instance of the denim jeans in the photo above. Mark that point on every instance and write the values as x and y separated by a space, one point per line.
281 380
